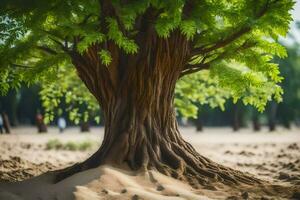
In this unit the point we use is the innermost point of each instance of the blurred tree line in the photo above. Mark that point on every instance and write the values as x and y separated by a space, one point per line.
284 113
23 105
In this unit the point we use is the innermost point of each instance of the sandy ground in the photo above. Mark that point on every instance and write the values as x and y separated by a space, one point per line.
270 156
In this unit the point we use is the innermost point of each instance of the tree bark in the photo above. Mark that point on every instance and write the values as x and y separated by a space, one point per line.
255 121
236 121
199 122
85 127
199 125
6 123
136 95
272 116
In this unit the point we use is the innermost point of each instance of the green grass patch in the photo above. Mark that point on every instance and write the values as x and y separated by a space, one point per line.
71 145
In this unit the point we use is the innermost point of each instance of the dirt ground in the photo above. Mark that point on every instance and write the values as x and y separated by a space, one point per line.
270 156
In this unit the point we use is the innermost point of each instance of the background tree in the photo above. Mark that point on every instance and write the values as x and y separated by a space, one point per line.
290 68
9 105
256 123
130 55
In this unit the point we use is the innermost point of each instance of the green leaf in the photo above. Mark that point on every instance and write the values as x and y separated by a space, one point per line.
105 57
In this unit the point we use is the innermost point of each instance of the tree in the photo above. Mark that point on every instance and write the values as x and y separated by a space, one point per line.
255 120
9 105
272 110
290 68
130 55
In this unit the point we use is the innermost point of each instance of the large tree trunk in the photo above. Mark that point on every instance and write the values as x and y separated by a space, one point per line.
136 95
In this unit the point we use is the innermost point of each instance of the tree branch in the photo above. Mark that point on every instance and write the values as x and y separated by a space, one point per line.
234 36
201 66
47 50
21 66
62 46
86 18
223 43
194 68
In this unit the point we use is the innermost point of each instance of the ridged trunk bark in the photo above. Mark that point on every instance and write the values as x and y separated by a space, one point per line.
136 95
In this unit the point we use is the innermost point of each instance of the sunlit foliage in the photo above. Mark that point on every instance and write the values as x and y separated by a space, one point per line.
235 40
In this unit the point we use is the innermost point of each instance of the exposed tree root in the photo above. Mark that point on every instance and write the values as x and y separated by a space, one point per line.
188 165
179 161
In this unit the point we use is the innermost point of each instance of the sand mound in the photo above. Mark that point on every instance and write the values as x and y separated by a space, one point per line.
102 183
108 183
118 184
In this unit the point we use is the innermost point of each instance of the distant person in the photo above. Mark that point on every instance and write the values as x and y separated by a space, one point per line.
42 128
6 123
1 124
61 124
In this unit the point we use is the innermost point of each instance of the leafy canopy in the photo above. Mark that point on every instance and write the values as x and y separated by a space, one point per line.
234 39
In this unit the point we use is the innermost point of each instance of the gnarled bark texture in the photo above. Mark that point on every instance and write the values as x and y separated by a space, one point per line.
136 94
